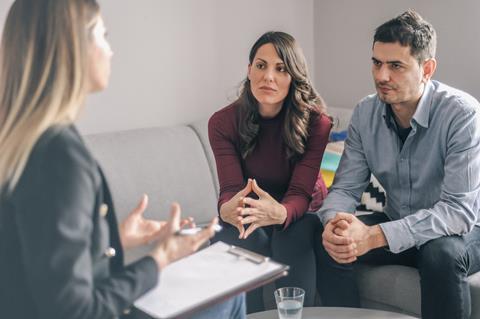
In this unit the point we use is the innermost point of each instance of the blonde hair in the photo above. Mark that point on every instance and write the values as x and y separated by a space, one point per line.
43 72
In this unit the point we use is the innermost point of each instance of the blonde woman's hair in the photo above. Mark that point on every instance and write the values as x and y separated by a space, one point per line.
43 72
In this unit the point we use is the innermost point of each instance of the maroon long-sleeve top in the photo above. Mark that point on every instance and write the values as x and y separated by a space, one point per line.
291 184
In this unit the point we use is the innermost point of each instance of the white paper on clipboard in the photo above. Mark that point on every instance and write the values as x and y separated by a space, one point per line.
209 275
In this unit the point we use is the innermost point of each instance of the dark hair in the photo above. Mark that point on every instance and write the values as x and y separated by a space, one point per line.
409 29
301 101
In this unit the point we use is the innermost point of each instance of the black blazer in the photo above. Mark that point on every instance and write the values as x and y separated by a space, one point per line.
60 253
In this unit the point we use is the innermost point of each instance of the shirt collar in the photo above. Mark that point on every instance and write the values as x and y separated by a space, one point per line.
388 116
422 113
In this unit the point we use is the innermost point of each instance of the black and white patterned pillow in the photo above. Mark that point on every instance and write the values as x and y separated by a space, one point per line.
373 198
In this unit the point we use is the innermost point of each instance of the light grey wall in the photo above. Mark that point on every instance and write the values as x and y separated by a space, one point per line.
343 41
177 61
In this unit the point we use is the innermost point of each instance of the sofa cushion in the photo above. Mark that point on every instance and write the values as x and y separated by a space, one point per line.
390 286
168 164
397 288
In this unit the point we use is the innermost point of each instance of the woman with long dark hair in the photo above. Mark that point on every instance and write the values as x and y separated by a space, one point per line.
268 146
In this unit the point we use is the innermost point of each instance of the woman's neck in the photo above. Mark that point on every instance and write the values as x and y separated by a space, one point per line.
269 111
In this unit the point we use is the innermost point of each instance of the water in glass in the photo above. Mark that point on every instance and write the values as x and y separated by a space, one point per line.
289 309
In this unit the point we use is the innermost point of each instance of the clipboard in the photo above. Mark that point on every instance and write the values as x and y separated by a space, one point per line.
207 277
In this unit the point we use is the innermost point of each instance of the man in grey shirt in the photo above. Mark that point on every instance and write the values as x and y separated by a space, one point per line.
421 139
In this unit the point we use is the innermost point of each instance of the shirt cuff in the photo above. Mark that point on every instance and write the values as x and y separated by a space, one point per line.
326 215
398 235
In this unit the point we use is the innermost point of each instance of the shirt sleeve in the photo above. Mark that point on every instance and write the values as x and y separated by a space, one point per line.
456 212
229 169
305 173
54 203
351 177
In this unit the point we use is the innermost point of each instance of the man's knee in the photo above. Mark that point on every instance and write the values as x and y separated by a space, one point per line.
442 256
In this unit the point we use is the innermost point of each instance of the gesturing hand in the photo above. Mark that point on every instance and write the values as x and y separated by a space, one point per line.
172 247
229 212
136 230
263 211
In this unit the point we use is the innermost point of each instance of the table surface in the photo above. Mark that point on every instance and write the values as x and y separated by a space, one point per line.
334 313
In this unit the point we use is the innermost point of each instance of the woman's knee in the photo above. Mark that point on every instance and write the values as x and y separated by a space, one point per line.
301 232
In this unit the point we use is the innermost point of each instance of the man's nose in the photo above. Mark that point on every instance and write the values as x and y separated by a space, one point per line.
382 74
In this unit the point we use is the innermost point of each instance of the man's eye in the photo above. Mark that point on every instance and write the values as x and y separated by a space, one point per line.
396 66
376 63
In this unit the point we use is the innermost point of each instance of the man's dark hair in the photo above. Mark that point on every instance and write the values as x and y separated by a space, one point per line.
409 29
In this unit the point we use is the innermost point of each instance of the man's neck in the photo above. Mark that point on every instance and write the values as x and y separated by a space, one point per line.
403 114
404 111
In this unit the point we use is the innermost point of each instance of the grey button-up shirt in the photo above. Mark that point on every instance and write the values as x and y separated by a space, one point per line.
432 182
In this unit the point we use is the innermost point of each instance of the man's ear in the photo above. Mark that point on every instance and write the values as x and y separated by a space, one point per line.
429 67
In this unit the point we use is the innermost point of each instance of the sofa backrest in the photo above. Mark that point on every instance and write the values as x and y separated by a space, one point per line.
169 164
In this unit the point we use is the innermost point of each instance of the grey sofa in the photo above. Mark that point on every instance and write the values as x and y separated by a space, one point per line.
176 164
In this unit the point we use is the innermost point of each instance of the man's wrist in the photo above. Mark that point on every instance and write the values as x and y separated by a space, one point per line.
376 237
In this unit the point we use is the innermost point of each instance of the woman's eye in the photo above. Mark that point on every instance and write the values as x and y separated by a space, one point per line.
281 69
260 66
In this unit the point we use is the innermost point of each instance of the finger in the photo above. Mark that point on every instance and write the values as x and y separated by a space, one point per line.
251 202
241 230
250 230
340 232
342 224
204 235
341 249
240 202
247 189
174 222
249 220
250 211
344 261
344 256
187 222
333 238
343 216
257 190
141 206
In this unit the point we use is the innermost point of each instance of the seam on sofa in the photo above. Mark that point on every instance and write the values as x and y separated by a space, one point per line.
210 165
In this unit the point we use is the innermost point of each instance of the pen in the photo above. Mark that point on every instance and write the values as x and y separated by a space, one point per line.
195 230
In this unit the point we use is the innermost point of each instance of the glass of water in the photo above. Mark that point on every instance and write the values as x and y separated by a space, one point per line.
289 302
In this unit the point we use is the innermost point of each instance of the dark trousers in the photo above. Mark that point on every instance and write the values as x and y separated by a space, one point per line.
443 263
293 246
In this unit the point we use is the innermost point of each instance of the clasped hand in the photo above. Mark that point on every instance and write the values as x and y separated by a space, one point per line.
241 210
345 238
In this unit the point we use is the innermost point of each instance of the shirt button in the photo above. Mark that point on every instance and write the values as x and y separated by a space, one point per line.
127 311
110 252
103 210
